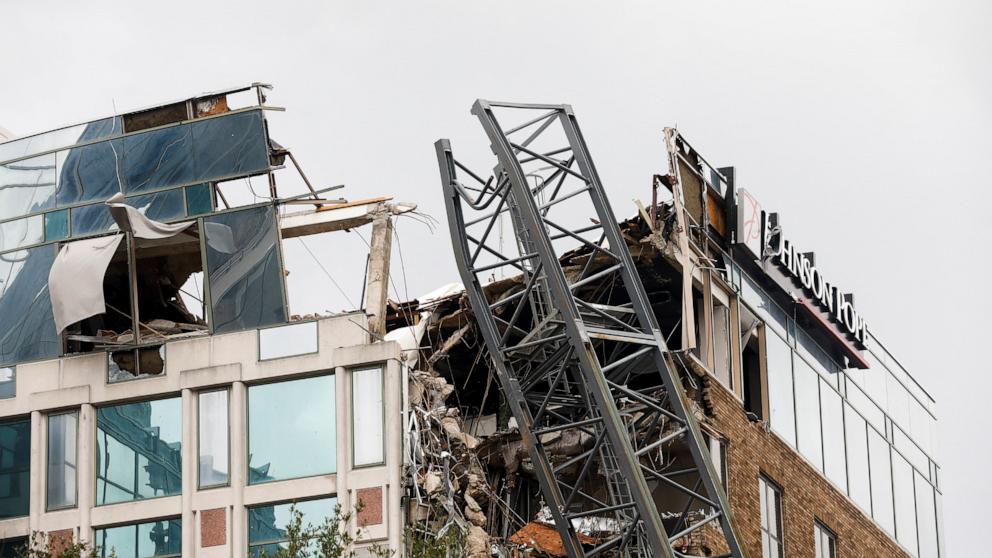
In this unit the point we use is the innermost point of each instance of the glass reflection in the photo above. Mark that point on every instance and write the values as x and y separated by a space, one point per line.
145 540
834 461
366 389
139 451
91 219
15 468
229 146
61 481
291 429
56 225
21 233
63 137
779 366
288 340
27 328
808 412
243 270
267 524
90 173
213 438
27 186
858 482
881 481
158 158
8 382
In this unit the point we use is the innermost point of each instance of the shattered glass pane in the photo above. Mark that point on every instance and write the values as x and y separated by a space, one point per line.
90 173
243 270
198 200
27 186
158 159
27 328
229 146
20 233
57 225
132 364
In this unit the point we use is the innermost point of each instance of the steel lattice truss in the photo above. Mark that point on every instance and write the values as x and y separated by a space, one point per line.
578 351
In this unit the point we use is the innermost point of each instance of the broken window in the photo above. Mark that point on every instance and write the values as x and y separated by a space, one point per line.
756 376
243 269
158 116
721 337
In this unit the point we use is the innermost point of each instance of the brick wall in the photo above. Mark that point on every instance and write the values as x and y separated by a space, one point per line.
805 493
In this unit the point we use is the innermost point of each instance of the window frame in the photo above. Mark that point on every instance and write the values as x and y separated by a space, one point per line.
248 509
48 448
381 367
769 487
820 533
227 483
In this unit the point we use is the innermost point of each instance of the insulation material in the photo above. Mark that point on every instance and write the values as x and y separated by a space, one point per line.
75 282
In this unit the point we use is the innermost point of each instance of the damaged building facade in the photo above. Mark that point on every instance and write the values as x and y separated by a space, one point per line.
683 382
159 395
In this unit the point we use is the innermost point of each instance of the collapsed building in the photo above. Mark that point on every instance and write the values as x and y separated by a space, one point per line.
683 382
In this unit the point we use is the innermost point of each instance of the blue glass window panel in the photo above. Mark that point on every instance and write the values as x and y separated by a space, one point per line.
21 233
90 173
27 186
27 326
244 270
267 524
160 206
156 539
158 159
15 468
229 146
291 429
91 219
57 225
198 200
139 451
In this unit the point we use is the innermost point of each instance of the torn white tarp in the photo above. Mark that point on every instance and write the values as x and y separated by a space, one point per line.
75 282
131 220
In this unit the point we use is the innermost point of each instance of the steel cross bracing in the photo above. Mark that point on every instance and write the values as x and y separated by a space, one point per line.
578 351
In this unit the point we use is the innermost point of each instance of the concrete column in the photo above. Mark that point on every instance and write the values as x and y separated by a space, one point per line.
342 414
239 469
189 459
36 504
86 480
393 378
377 282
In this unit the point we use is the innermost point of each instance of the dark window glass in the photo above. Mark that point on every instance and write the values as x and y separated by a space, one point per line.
243 270
277 451
91 219
267 524
27 327
15 468
57 225
139 451
13 548
158 159
90 173
27 186
229 146
198 200
160 206
144 540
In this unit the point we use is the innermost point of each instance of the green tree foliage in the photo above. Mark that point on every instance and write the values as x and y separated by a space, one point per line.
331 539
37 547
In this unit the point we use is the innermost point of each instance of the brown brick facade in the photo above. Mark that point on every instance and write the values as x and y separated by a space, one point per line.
806 495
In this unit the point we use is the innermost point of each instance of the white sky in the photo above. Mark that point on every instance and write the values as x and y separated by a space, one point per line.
865 124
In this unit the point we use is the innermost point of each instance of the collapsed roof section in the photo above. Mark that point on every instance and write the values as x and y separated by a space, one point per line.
123 232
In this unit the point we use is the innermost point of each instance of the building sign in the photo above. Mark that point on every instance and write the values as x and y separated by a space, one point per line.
759 232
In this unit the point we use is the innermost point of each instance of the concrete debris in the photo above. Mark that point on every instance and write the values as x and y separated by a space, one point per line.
477 543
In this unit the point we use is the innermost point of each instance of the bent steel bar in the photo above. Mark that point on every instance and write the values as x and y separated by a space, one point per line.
578 352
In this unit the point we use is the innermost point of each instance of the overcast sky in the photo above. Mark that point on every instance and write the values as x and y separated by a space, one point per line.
866 125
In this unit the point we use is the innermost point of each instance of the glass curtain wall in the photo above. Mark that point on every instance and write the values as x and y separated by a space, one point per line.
62 462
